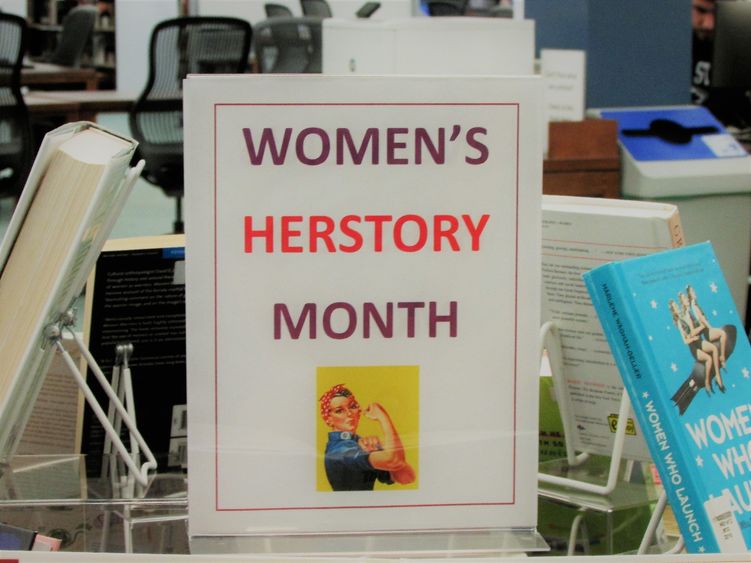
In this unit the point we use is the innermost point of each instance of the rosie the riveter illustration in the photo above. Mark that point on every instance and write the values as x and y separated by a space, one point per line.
710 346
354 462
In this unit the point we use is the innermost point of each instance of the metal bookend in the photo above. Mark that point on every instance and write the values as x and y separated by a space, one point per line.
54 333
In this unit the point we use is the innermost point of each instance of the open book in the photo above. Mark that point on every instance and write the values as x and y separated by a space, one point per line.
74 192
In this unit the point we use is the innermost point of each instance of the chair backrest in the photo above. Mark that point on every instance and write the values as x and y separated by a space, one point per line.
288 45
277 10
500 11
178 47
15 132
319 8
77 27
446 7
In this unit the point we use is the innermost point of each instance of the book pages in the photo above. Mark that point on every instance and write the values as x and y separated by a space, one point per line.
578 234
74 188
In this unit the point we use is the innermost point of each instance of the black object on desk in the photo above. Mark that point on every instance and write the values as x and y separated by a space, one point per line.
367 9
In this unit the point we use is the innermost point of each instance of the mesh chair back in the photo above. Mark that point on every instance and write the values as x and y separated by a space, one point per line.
277 10
500 11
178 47
15 132
319 8
288 45
77 28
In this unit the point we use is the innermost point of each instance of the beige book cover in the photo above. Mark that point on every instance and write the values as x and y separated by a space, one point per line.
578 234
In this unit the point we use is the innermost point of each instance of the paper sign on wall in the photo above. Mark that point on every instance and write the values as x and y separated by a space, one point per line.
564 73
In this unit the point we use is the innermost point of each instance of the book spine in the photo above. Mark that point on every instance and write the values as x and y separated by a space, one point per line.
635 363
676 230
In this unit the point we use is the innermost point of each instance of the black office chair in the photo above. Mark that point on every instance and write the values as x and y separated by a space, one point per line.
77 27
277 10
319 8
15 131
178 47
291 45
446 7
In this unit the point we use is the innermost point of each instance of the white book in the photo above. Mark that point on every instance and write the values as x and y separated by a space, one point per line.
578 234
76 187
376 232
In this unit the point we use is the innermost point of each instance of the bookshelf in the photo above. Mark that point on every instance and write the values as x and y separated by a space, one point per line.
45 19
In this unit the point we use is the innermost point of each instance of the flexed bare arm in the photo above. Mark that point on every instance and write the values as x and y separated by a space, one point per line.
390 457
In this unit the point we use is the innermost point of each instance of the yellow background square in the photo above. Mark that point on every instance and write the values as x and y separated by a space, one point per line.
396 388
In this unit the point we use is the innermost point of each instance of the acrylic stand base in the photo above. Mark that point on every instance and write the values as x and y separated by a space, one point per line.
53 495
406 544
629 504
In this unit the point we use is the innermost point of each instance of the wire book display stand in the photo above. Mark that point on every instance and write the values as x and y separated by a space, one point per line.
550 341
129 472
118 413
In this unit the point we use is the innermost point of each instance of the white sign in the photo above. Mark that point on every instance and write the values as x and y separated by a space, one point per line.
564 74
375 233
439 46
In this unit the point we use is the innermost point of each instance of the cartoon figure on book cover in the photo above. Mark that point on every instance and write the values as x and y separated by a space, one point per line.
709 345
356 460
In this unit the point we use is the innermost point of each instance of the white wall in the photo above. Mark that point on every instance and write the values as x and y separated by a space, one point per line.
134 21
16 7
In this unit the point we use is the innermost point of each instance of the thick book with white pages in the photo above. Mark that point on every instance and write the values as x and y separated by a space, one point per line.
76 187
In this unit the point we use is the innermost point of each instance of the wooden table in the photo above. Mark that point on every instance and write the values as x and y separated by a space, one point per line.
48 74
77 105
44 107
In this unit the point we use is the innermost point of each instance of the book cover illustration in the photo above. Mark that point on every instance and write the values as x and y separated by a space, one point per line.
684 357
367 435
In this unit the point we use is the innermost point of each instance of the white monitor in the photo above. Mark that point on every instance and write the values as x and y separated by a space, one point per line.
446 45
253 10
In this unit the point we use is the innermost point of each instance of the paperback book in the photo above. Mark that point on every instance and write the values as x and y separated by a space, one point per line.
684 357
579 233
362 281
135 296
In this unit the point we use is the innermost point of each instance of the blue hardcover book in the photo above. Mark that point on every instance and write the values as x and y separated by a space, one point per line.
684 358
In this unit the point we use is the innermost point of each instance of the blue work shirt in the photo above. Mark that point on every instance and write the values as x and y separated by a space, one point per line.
347 465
